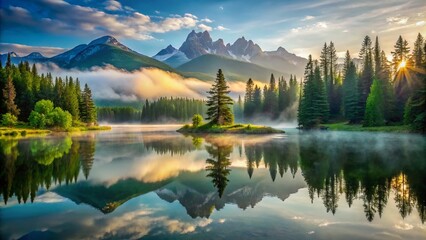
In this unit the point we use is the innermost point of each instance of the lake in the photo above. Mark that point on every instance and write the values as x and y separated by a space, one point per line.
150 182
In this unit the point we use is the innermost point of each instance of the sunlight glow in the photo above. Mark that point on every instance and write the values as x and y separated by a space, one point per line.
402 64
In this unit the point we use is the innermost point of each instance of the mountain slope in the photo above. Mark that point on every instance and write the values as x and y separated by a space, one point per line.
234 70
104 54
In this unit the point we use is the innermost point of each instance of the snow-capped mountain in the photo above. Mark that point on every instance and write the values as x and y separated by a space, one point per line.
201 43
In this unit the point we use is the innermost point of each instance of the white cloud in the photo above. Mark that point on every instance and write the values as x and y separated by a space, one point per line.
191 15
321 24
420 23
221 28
221 8
23 50
397 20
61 17
345 31
113 5
207 20
204 27
157 12
308 18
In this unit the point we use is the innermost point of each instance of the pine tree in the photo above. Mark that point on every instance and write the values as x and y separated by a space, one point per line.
350 91
402 85
374 111
218 102
313 108
88 113
249 106
400 53
418 54
257 99
367 73
332 85
9 95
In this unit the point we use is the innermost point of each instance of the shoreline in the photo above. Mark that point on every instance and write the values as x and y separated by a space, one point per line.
229 129
28 131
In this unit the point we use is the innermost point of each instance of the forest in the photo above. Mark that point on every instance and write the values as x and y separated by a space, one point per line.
41 100
376 93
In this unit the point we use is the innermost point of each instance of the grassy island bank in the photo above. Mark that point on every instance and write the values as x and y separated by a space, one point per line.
233 129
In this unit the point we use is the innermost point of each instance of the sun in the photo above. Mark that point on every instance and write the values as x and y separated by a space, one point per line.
402 64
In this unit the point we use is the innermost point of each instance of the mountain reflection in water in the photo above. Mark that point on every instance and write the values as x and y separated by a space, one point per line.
204 173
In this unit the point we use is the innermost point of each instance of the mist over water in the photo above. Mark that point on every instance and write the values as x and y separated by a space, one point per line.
145 83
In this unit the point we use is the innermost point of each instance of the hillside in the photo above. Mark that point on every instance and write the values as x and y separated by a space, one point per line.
102 55
234 70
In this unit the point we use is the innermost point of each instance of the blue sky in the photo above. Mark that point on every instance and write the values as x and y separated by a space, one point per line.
50 26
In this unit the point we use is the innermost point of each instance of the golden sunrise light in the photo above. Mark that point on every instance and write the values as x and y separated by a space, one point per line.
402 64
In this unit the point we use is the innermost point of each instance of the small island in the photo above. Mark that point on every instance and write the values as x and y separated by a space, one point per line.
220 115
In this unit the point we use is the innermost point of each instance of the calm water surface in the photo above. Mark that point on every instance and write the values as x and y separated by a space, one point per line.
150 182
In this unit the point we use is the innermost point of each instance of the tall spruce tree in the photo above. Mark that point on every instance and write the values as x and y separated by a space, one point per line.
367 72
374 111
350 91
313 108
402 85
218 102
249 106
9 95
88 109
257 99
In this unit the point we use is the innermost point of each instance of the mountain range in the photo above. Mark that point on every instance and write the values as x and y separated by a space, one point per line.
198 56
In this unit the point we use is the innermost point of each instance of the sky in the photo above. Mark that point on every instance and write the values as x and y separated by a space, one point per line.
147 26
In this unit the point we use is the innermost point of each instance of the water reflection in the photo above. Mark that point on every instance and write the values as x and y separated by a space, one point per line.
203 173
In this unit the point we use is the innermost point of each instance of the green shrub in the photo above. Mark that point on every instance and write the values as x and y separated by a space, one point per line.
45 115
9 120
24 133
14 133
197 119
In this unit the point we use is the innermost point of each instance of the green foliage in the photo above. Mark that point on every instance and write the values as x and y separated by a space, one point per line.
45 115
61 118
171 109
314 108
218 102
197 120
350 91
23 86
9 120
374 111
9 95
118 114
87 107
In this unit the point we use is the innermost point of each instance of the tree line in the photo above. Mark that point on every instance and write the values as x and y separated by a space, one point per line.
171 109
30 96
118 114
377 93
273 100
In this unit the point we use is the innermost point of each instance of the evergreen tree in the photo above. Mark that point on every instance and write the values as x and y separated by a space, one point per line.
257 99
71 103
9 95
402 85
332 86
313 107
418 54
218 102
350 91
283 100
271 99
374 111
249 106
400 53
367 73
88 109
